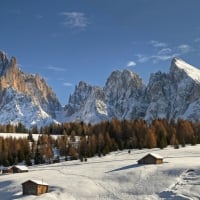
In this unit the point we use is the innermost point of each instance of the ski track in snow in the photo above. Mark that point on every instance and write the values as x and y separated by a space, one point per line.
189 179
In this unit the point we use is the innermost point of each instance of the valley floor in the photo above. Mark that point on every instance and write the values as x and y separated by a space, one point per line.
116 176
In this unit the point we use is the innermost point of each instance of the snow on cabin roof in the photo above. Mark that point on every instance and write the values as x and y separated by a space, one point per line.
155 155
37 182
21 167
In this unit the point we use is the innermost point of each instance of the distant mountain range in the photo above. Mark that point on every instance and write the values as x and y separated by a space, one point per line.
27 98
168 95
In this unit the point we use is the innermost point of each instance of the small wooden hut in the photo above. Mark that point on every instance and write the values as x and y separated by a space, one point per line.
151 158
34 187
15 169
19 168
7 170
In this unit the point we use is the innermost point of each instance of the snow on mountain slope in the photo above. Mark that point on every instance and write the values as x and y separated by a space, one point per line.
175 94
167 95
191 71
86 104
24 98
123 91
120 98
116 176
20 108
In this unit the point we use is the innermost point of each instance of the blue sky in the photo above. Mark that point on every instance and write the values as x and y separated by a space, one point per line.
66 41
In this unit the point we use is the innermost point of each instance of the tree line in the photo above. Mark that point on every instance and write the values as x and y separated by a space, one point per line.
98 139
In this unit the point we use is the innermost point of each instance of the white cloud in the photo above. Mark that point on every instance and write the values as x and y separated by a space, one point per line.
75 19
155 43
184 48
162 55
67 84
165 51
131 64
158 58
56 69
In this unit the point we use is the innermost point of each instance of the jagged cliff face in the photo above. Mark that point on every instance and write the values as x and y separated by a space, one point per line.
176 94
86 104
123 91
28 99
168 95
24 97
79 98
120 98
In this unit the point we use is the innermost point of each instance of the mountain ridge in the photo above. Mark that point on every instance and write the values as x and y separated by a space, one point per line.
28 99
167 95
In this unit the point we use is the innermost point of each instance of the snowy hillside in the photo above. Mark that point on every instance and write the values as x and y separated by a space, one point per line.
116 176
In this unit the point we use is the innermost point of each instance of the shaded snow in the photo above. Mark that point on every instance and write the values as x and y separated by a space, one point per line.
17 107
115 176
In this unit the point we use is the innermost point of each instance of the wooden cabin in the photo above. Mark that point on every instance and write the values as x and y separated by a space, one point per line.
151 158
19 168
34 187
14 169
7 170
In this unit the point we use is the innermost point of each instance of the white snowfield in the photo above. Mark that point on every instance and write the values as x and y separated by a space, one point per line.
116 176
25 135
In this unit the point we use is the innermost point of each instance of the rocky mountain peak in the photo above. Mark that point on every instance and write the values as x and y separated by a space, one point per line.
3 56
83 86
21 93
167 95
78 98
124 79
181 69
123 84
13 62
27 98
82 90
3 62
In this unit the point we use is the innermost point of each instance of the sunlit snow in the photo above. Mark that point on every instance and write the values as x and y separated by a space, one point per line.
113 177
193 72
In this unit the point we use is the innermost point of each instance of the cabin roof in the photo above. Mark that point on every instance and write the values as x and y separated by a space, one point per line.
38 182
155 155
21 167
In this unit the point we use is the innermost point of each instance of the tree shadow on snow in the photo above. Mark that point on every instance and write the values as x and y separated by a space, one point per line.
7 191
17 196
170 195
125 168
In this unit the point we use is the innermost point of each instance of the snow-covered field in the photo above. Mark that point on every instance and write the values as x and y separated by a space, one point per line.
115 176
25 135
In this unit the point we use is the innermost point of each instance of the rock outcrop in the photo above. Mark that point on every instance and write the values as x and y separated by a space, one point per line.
28 97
